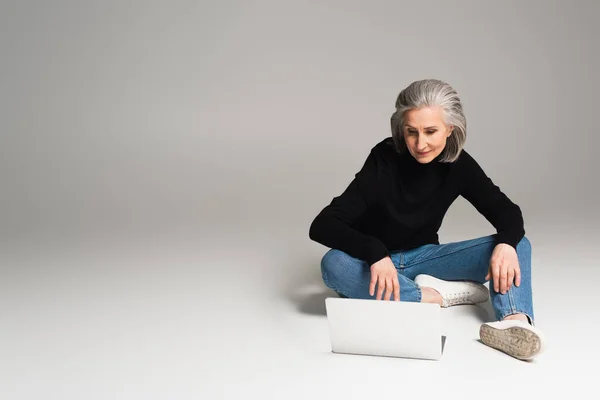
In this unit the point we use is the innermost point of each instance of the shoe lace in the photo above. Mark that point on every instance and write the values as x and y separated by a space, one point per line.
457 297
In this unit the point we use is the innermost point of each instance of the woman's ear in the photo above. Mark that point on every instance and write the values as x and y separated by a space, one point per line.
450 130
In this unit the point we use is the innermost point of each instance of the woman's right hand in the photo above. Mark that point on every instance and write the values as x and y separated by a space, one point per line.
385 275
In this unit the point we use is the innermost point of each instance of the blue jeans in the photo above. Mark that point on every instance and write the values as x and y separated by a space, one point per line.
466 260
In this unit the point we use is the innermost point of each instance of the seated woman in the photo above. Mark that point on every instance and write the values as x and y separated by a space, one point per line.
383 229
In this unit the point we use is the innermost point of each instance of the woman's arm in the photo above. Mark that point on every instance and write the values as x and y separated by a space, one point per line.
332 226
491 202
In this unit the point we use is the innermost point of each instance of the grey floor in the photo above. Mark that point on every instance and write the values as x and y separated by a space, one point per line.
174 319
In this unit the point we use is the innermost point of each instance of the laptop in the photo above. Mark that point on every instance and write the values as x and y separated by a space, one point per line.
385 328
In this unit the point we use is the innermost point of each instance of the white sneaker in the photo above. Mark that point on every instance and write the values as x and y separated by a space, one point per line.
455 292
516 338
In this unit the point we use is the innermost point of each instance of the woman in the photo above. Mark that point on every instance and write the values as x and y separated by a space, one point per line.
382 230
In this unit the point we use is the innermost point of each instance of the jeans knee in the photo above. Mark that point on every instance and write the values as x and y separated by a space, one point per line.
334 266
524 254
524 245
329 263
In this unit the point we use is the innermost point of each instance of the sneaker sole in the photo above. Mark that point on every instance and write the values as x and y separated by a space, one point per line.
518 342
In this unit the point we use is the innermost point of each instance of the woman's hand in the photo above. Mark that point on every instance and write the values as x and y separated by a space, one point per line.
385 275
504 268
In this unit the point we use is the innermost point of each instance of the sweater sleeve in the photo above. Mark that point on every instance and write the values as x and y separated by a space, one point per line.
332 226
477 188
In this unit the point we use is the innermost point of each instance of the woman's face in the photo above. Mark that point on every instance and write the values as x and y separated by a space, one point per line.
425 133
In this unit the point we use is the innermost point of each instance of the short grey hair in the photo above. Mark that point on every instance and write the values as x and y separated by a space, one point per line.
431 93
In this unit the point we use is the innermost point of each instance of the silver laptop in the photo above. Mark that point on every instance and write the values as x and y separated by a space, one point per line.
385 328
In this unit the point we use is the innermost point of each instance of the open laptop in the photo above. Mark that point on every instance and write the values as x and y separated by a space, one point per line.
385 328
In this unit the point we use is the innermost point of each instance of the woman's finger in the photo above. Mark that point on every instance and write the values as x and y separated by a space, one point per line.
511 277
389 288
380 287
503 277
396 289
517 277
372 285
496 276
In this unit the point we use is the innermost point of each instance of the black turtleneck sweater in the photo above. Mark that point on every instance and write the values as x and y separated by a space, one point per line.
396 203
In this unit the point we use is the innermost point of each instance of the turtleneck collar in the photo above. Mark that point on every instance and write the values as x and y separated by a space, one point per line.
409 159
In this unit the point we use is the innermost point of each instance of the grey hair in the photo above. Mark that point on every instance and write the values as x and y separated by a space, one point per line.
431 93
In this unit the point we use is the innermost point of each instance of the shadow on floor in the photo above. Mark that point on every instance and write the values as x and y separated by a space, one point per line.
484 312
306 291
314 303
443 343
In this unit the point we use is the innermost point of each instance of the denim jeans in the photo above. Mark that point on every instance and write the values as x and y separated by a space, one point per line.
465 260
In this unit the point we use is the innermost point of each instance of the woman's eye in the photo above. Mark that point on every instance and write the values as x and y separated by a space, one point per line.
415 132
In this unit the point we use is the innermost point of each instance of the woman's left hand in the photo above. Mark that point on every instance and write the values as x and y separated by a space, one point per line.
504 268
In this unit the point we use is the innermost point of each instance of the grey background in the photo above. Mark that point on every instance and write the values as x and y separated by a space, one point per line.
156 157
